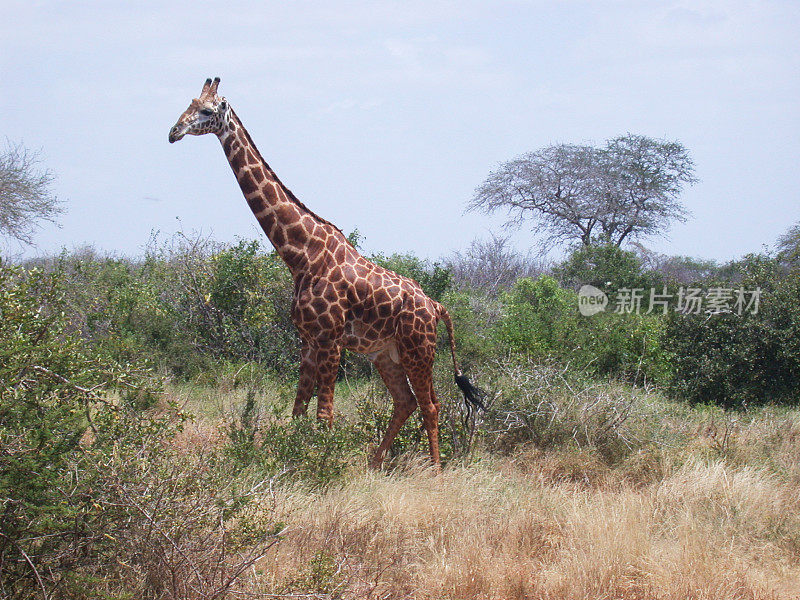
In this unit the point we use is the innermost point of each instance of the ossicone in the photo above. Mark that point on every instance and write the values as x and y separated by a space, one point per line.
209 88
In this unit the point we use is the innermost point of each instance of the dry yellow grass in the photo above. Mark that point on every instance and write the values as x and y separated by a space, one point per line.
491 530
712 514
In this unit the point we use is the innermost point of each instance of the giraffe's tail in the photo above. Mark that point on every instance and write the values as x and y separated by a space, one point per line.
473 396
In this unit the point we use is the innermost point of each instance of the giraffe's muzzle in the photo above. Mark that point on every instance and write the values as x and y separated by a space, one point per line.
175 134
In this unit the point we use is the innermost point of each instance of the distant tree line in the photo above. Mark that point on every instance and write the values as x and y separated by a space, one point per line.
191 304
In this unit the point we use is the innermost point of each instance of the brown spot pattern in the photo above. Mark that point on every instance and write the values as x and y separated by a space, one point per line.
341 300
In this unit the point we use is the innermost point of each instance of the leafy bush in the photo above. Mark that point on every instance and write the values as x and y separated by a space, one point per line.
476 318
736 359
607 267
187 304
61 406
541 318
249 296
302 449
630 346
98 498
543 322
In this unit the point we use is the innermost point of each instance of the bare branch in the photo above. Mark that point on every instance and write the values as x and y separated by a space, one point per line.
492 265
25 194
31 565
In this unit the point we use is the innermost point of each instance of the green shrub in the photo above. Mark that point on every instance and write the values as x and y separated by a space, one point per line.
262 439
61 406
321 575
607 267
310 450
630 346
476 318
542 321
541 318
186 305
734 359
249 297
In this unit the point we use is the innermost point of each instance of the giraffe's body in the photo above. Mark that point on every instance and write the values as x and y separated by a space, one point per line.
341 300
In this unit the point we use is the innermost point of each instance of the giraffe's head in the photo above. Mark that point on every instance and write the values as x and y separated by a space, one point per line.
207 114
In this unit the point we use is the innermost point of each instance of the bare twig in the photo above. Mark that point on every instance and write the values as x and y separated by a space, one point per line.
30 564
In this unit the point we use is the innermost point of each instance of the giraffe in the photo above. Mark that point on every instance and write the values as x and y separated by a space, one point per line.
341 300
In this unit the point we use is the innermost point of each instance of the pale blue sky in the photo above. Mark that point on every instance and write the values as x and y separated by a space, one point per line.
386 115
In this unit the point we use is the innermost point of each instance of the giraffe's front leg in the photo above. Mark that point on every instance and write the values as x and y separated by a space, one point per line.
307 383
326 357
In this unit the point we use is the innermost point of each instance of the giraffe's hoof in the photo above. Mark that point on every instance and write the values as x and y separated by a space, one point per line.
375 462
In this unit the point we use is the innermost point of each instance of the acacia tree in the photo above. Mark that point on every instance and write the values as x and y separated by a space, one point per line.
788 246
628 189
25 195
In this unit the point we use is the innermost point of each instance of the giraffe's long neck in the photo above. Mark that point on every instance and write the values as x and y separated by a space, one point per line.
289 225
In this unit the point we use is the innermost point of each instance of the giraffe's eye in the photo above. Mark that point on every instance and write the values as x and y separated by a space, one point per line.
206 111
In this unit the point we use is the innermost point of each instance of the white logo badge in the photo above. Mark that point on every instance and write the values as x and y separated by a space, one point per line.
591 300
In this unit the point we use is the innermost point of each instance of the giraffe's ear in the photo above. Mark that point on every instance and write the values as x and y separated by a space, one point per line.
223 105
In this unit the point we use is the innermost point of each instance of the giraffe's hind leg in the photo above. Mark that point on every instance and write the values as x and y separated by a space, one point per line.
417 354
416 340
404 402
421 377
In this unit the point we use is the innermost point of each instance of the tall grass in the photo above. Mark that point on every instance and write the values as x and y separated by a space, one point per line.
704 505
691 503
706 530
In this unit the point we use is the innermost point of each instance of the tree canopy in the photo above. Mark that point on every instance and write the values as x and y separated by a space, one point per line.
788 246
625 190
25 195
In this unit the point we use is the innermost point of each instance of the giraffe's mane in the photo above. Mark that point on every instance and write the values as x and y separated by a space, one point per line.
289 193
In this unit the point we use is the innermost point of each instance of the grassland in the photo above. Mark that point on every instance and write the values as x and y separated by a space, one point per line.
705 505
